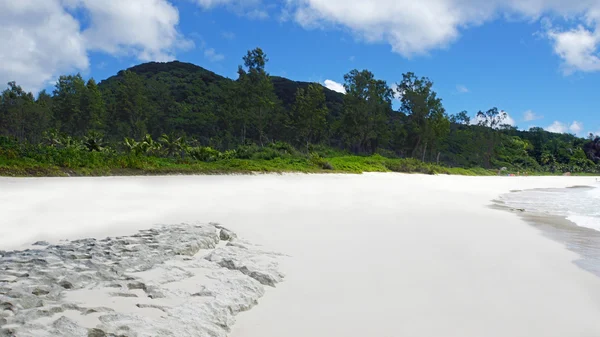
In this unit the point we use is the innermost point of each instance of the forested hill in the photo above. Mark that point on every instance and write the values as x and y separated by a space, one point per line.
216 114
183 97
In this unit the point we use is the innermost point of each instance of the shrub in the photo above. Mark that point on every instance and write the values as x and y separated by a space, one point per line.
246 151
316 160
206 154
283 147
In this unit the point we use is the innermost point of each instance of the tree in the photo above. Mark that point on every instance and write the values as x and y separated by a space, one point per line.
460 118
94 141
427 120
19 114
310 113
93 108
172 145
130 113
258 96
492 119
367 109
68 97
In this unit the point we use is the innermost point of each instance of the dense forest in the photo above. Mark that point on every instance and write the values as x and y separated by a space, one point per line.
182 111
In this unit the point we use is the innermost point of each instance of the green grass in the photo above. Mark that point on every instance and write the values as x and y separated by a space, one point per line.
98 164
23 160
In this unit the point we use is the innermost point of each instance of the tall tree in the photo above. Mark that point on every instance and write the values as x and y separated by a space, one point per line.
367 108
492 119
93 108
310 113
461 118
69 96
258 96
16 108
130 107
427 122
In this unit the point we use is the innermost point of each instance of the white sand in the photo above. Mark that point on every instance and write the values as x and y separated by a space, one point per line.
372 255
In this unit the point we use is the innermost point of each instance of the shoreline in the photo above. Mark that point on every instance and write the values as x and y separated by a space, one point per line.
564 231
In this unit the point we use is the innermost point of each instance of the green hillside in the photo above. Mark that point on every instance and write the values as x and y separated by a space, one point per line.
185 115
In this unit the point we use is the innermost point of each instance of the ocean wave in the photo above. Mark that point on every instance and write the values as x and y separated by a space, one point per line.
592 222
579 205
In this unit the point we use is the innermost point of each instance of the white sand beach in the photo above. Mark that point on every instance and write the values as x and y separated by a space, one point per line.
381 255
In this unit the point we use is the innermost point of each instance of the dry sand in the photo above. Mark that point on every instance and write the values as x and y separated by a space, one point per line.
371 255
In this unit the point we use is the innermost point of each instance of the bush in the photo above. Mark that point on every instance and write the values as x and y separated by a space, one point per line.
246 151
230 154
283 147
206 154
316 160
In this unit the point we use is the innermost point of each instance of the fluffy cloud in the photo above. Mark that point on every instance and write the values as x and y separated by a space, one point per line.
559 127
577 48
417 27
144 28
335 86
529 116
38 39
42 39
576 127
509 120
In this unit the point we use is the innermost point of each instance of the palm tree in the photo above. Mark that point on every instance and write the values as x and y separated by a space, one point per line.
149 146
94 141
173 145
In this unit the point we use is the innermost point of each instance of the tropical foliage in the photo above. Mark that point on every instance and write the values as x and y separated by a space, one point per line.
183 114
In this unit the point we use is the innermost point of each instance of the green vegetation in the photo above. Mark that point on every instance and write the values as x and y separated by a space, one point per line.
161 118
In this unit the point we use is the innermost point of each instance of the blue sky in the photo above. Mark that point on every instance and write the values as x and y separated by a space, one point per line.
535 59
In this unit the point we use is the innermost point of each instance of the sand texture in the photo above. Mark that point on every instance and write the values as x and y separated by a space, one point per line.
381 255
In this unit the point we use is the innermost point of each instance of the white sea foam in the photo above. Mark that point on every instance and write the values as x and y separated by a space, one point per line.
580 205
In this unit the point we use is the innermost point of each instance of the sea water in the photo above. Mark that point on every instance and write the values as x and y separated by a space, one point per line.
548 208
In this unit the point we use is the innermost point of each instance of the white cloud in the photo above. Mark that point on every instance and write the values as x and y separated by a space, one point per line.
576 127
578 48
558 127
529 116
213 56
143 28
42 39
335 86
509 120
461 89
417 27
39 39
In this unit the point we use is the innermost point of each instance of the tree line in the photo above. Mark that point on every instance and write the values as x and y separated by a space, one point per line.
176 103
